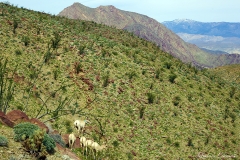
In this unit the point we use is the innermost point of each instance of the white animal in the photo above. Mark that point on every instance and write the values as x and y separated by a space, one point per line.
71 139
80 124
88 143
97 148
83 141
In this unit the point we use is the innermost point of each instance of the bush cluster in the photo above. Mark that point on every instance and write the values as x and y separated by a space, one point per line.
22 131
3 141
34 139
58 139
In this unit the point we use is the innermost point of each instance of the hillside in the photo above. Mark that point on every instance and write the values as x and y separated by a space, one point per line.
149 29
230 73
224 36
142 102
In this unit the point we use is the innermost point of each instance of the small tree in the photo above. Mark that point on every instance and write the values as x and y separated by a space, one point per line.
55 41
7 87
15 25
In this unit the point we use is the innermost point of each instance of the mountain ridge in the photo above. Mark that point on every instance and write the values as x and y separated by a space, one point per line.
224 29
223 36
147 28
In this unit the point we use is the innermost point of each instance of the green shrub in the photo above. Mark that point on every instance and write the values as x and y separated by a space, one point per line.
115 143
3 141
34 144
106 80
141 112
177 144
49 143
26 40
132 74
81 49
18 52
58 139
167 65
157 72
176 100
24 130
172 78
151 97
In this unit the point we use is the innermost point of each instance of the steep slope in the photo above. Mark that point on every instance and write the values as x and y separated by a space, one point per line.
142 102
230 73
146 28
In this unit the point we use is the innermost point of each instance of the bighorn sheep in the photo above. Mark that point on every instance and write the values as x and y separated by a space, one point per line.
80 124
83 141
71 139
88 144
97 148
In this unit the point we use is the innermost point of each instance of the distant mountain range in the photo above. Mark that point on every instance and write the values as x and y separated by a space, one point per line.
149 29
223 36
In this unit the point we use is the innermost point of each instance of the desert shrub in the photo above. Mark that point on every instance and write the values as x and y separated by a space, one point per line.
58 139
34 145
3 141
47 56
176 100
15 25
24 130
168 140
81 49
151 97
172 78
157 72
115 143
18 52
49 143
177 144
190 143
232 92
130 156
26 40
167 65
55 41
132 74
141 112
105 80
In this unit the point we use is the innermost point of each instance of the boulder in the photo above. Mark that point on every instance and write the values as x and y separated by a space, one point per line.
17 116
5 120
66 151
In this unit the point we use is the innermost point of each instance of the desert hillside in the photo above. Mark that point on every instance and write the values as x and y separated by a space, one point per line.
142 102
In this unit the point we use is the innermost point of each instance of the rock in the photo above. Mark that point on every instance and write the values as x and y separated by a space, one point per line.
65 157
17 116
39 124
5 120
67 153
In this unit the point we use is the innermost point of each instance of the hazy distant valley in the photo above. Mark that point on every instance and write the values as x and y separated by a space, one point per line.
216 36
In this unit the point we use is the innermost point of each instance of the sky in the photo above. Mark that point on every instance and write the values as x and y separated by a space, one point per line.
160 10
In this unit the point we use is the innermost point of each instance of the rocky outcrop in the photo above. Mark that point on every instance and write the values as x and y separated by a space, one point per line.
17 116
4 120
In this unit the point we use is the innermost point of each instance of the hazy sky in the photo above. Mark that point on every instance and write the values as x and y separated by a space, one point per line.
161 10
